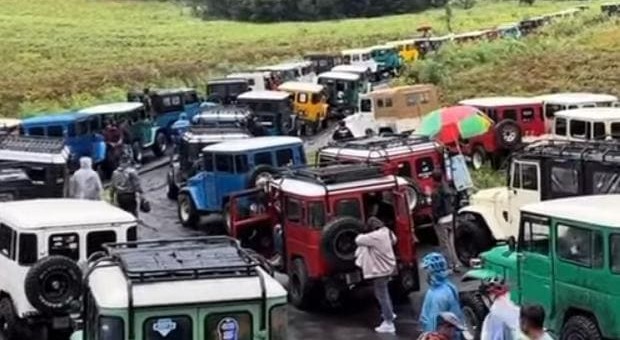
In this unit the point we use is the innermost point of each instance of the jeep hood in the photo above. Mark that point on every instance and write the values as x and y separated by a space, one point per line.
499 261
489 195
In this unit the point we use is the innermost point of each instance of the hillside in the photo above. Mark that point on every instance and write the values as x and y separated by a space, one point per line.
76 52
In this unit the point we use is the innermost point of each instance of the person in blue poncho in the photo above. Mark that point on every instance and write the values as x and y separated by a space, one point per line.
441 296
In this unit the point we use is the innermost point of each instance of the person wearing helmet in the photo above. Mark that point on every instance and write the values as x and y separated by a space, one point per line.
343 132
502 322
441 296
126 186
448 327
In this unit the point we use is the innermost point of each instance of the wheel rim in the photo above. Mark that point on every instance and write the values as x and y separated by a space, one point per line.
477 160
56 286
184 209
510 136
471 321
263 178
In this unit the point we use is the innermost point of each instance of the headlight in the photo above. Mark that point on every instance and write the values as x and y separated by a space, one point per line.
476 263
278 321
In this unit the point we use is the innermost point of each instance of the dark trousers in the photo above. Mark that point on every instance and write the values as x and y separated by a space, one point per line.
128 202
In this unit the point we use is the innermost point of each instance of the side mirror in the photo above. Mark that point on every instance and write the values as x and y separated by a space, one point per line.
512 243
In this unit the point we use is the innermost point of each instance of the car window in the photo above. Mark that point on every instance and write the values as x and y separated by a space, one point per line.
614 256
284 157
28 248
36 131
224 163
551 109
379 102
510 114
95 240
232 325
516 175
241 163
302 98
316 98
348 207
579 129
168 328
55 131
294 210
527 115
529 177
111 327
366 106
615 130
316 215
580 246
564 181
208 162
263 158
412 99
605 182
355 57
65 244
598 131
81 128
388 102
7 241
560 126
535 238
424 167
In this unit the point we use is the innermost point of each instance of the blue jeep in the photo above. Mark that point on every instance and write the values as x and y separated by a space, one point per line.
165 106
81 133
233 166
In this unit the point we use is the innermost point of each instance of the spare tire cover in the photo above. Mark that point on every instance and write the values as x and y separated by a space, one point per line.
261 172
508 134
54 284
338 242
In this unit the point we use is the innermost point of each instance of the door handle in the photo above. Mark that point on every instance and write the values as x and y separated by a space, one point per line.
505 215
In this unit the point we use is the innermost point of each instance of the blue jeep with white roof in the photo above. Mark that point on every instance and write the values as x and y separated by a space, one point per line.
231 166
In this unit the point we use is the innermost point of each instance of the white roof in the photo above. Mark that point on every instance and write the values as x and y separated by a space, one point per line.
248 74
119 107
109 288
62 212
350 68
401 42
264 95
35 157
576 98
214 137
309 189
220 116
9 122
500 101
377 154
300 86
253 144
508 25
340 75
357 51
591 114
443 37
599 210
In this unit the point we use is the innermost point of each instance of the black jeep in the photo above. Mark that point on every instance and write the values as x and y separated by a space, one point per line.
225 91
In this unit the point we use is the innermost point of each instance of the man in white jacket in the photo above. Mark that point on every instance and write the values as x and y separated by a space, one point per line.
502 322
375 256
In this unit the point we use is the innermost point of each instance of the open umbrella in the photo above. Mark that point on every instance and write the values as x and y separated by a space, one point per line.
448 124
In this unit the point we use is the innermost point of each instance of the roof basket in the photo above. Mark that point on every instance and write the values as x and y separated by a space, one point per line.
381 142
32 144
182 259
204 130
341 173
602 151
227 110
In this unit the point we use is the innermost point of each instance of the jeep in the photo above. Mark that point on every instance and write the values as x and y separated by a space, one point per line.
414 158
231 166
310 104
42 243
323 62
32 167
541 171
531 25
567 259
361 57
514 117
291 71
509 31
274 111
198 288
321 211
225 91
389 62
568 101
8 125
594 124
610 9
363 72
343 92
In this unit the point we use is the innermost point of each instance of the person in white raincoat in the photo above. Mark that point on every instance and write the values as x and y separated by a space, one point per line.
502 322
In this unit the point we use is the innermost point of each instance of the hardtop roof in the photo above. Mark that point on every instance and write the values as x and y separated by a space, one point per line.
9 122
340 75
379 147
227 80
500 101
362 50
264 95
255 143
350 68
576 98
598 210
63 118
300 86
306 188
591 114
120 107
33 149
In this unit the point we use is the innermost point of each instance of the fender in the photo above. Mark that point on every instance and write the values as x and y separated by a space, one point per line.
479 275
487 214
196 195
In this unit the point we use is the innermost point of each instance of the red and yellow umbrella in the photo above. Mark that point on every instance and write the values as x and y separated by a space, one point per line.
448 124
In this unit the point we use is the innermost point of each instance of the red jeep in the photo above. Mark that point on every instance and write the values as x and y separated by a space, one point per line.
321 211
412 157
514 117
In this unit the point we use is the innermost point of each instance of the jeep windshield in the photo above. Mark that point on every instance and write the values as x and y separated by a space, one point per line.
227 89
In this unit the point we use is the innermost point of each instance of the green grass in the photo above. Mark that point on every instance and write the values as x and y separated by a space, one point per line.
70 53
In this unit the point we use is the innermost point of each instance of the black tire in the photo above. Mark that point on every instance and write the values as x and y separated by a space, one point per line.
478 157
338 242
474 311
471 238
580 327
136 148
54 285
407 282
301 287
188 215
161 144
508 134
9 327
261 171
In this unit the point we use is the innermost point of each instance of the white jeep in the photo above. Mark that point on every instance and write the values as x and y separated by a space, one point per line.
545 170
42 243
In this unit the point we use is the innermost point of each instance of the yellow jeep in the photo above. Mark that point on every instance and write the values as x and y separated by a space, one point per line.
310 104
407 49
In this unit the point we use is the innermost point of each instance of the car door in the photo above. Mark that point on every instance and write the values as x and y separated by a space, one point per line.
403 227
535 262
524 189
532 121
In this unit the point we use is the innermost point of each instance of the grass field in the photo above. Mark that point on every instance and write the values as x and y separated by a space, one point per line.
70 53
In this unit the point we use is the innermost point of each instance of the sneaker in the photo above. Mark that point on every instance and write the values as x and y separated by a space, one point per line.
386 327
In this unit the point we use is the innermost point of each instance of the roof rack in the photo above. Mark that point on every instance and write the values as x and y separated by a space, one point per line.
32 144
226 110
382 142
182 259
204 130
602 151
338 173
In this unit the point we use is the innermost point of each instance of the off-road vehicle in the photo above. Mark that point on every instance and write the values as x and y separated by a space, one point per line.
566 258
343 92
310 105
225 90
273 110
42 243
541 171
610 8
323 62
595 124
199 288
321 211
555 102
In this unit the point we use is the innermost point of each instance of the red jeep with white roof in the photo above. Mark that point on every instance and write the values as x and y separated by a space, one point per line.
321 211
514 117
412 157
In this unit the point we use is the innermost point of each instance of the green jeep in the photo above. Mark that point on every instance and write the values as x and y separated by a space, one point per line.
206 288
567 258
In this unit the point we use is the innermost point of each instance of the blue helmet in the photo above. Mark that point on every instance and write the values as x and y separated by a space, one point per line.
435 263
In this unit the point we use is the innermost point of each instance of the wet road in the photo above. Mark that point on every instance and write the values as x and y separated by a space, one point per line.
355 321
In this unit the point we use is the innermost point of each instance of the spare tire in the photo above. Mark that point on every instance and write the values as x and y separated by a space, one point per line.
508 134
338 242
54 284
261 172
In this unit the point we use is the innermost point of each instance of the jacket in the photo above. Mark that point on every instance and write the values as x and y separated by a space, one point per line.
85 183
375 253
442 201
442 296
502 322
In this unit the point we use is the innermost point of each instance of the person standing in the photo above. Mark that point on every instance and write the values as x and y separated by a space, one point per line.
441 296
126 187
532 319
375 256
502 322
448 327
85 183
442 201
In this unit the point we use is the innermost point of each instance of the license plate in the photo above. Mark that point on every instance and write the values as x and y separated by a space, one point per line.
354 277
61 323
